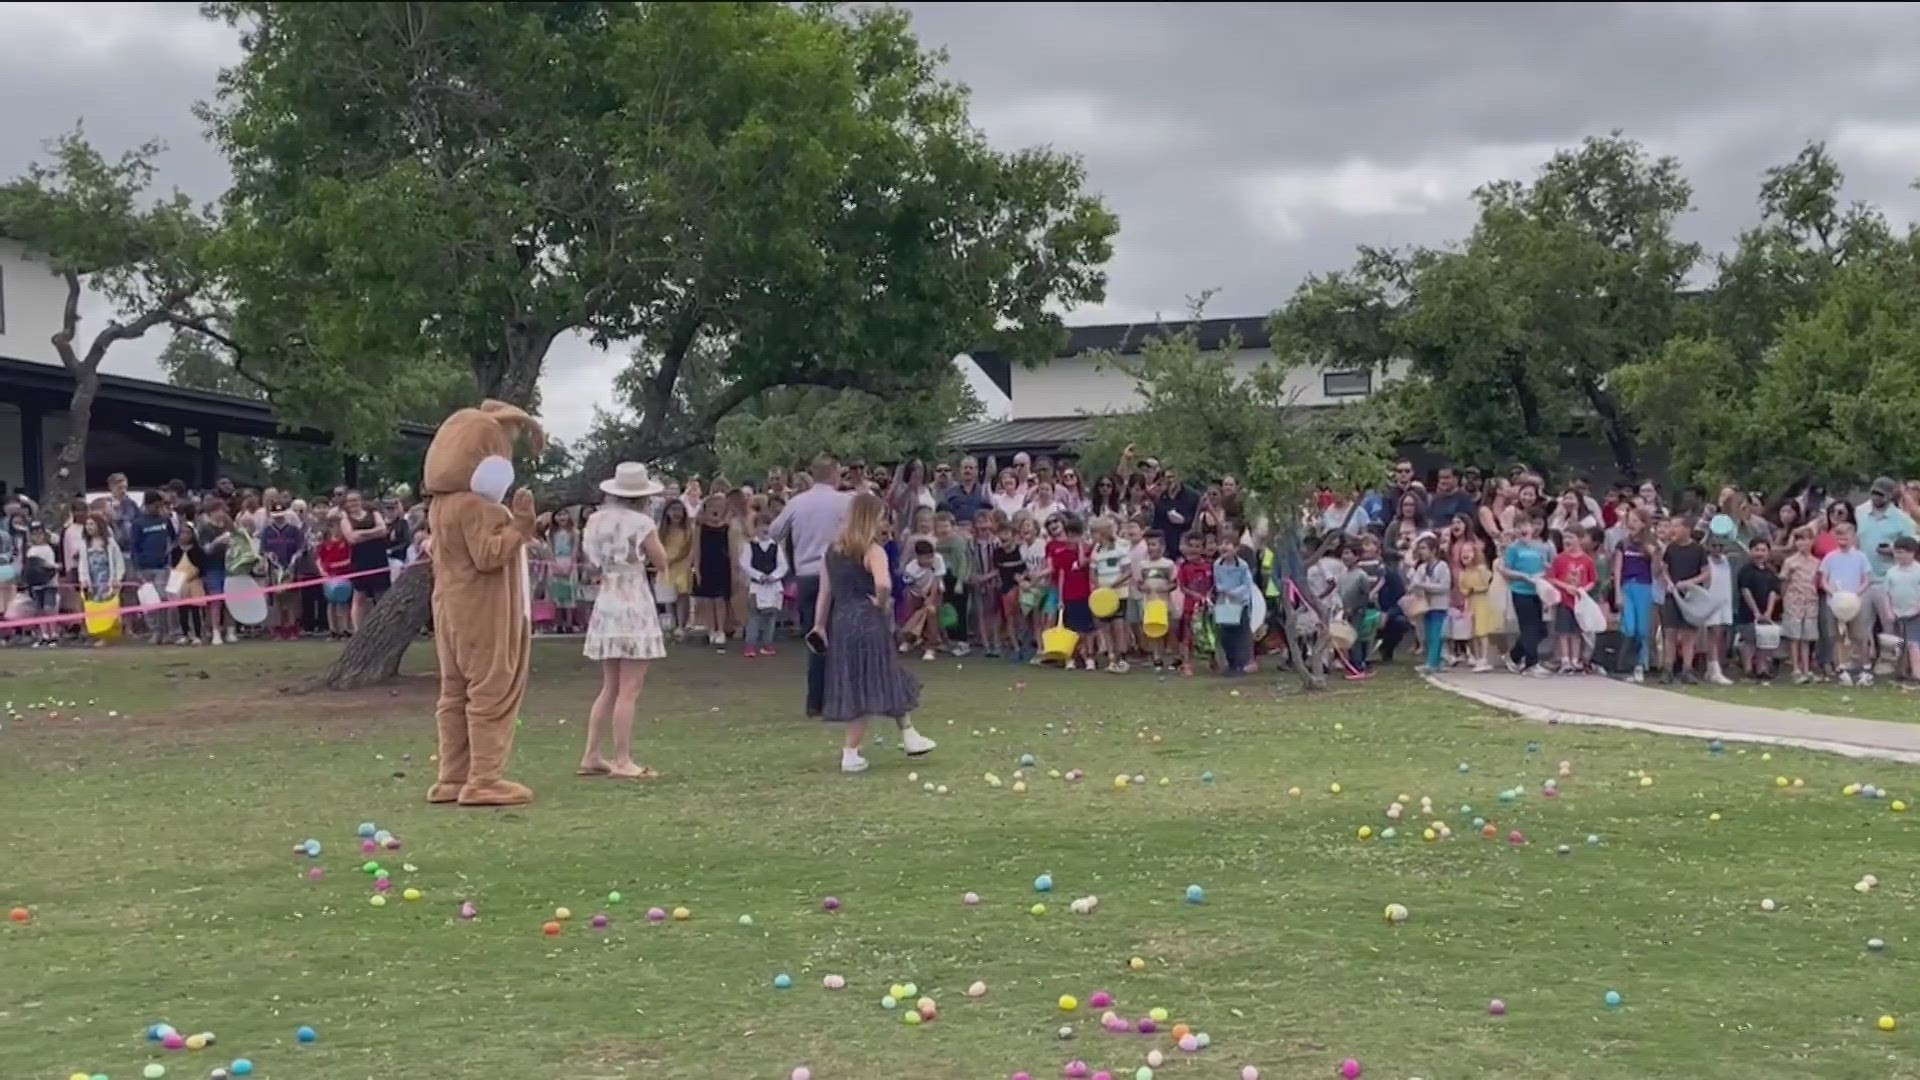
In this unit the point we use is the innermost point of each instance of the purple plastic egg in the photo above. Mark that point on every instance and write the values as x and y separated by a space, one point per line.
1496 1007
1100 1000
1146 1026
382 884
1189 1043
831 903
655 914
600 922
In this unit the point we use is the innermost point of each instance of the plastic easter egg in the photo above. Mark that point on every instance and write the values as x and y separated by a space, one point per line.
941 790
241 1067
1715 816
927 787
1612 999
970 899
154 1071
217 1074
831 903
1145 1072
1074 1070
614 898
311 848
1026 761
1388 833
834 982
1205 1040
382 884
1334 788
1166 781
196 1042
889 1002
1365 832
1147 1025
1189 1044
1875 945
1516 838
909 991
1037 910
782 981
1137 964
1479 822
1593 838
1043 883
1100 999
600 921
800 1072
1396 914
1799 783
315 873
1888 1023
910 1018
746 920
410 895
1155 1058
1196 895
377 900
1898 806
681 914
1429 835
1157 1014
1068 1003
174 1041
1563 849
1350 1069
467 910
1248 1072
551 929
978 989
1121 781
1063 1032
19 915
367 829
1496 1007
1019 787
1646 781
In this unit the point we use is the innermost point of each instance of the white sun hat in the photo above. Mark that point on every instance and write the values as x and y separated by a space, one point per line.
631 481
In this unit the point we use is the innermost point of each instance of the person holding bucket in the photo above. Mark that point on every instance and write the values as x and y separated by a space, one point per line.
103 569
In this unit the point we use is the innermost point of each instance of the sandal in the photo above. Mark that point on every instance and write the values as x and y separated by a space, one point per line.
643 774
593 770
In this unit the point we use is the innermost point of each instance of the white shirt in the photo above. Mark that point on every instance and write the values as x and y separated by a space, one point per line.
1009 504
922 579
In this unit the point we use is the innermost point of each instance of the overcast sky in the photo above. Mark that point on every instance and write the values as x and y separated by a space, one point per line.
1243 146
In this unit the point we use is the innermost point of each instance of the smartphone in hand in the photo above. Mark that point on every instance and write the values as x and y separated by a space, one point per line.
816 643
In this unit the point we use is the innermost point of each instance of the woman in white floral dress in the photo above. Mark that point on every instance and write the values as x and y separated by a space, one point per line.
624 632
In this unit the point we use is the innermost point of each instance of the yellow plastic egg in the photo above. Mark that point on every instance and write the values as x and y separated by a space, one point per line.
1646 781
1137 964
1715 816
1899 807
1366 832
410 894
1797 782
1068 1003
1037 910
1334 787
1294 791
1429 835
1120 782
1888 1023
562 914
681 914
1158 1014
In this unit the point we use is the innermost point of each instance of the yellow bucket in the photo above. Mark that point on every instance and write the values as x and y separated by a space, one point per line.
1057 643
1153 619
1104 603
103 617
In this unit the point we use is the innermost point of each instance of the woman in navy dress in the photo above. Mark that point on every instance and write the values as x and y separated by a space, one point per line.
855 616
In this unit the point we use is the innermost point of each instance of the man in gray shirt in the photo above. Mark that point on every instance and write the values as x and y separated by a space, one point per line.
813 520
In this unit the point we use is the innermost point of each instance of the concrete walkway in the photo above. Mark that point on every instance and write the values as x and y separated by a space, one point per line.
1594 700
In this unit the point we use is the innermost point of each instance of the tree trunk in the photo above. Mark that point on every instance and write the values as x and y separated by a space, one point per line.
1614 427
373 655
70 464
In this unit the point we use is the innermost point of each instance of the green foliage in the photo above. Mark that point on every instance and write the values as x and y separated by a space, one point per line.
1511 339
1696 395
1838 394
789 193
1199 413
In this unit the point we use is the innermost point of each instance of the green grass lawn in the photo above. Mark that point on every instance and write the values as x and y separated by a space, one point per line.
154 851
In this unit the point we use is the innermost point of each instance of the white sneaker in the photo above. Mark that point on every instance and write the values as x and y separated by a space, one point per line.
928 655
1639 676
852 762
1120 667
1481 667
1717 677
1845 679
1538 671
1865 679
1071 664
914 743
216 639
906 647
1513 667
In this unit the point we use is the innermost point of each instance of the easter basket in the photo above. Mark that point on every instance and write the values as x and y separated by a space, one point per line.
1154 619
1058 642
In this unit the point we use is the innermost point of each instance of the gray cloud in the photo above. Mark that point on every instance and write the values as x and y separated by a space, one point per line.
1244 146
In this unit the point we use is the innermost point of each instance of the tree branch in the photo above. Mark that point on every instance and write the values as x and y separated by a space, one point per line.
69 324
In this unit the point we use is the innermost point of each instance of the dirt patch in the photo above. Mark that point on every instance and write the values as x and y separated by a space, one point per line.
220 708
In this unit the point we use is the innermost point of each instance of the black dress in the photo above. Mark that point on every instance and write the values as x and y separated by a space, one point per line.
715 563
369 559
862 677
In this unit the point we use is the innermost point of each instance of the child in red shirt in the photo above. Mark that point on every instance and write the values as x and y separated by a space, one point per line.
1195 579
1574 573
1070 559
335 557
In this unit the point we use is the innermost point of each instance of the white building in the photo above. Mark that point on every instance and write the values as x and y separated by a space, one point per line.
1054 405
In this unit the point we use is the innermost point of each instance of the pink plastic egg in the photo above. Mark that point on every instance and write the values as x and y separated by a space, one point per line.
1021 1076
1350 1069
174 1041
1248 1072
1496 1007
1103 1075
382 884
801 1072
1074 1070
1189 1043
1100 1000
1516 837
315 874
369 846
655 914
970 899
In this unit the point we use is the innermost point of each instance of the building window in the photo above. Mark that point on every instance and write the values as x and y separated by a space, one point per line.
1336 384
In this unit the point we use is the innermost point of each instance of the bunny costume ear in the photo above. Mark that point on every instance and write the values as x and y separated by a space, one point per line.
517 421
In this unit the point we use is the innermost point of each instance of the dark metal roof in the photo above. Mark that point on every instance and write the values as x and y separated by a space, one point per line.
1129 338
165 403
1048 433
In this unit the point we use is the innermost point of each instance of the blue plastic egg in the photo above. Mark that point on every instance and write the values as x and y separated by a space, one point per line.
1196 894
367 829
1043 883
782 981
306 1034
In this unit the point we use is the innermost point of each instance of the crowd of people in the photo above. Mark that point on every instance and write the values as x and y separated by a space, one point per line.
1036 563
